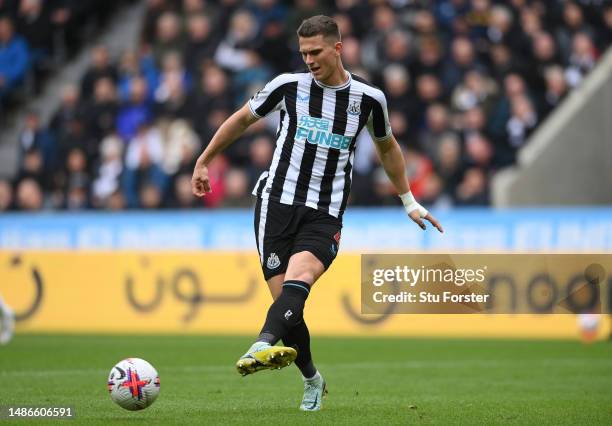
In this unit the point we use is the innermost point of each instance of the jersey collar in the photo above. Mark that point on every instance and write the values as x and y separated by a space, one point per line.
341 86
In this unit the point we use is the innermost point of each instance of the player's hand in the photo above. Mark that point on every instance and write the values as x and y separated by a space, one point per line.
415 215
200 183
417 212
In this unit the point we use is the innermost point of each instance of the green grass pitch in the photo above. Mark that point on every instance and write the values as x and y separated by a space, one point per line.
371 381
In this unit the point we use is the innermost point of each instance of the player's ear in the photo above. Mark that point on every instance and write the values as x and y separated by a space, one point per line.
338 48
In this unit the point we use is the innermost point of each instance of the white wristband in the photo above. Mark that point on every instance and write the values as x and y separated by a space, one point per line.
410 204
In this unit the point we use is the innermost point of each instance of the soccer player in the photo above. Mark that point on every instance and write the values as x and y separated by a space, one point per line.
7 322
301 198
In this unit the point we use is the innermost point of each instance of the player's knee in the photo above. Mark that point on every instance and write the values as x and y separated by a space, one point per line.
305 276
304 266
307 273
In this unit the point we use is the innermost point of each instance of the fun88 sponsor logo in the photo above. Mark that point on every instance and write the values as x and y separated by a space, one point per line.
316 131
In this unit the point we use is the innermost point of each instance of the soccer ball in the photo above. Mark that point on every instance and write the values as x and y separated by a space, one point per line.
133 384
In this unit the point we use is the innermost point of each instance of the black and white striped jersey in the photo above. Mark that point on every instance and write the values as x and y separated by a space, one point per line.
315 147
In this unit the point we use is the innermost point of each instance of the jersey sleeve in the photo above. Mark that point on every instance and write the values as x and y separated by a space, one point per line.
378 123
270 98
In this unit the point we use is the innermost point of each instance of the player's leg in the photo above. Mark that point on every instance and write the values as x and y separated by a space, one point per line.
7 322
305 267
287 310
297 338
314 251
275 285
284 315
274 224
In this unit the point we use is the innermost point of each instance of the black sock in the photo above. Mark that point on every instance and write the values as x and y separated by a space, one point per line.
299 338
285 313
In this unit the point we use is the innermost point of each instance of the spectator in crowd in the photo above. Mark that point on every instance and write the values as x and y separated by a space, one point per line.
472 191
351 52
212 94
34 23
502 62
201 42
605 32
260 157
135 111
6 195
463 59
272 47
29 195
448 163
101 67
36 137
501 26
437 125
573 23
478 151
430 59
429 91
182 197
522 121
154 10
425 26
398 46
267 11
116 201
582 59
236 51
383 21
101 111
197 7
33 167
171 93
544 54
396 82
133 65
556 89
476 89
236 187
70 107
14 57
108 175
143 161
150 196
531 24
169 37
74 134
77 180
513 85
180 145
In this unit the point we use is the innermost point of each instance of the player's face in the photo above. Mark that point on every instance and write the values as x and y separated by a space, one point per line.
320 55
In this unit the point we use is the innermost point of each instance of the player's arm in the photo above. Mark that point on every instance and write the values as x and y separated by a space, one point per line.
392 160
262 103
229 131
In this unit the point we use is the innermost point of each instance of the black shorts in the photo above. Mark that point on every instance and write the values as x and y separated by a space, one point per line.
282 230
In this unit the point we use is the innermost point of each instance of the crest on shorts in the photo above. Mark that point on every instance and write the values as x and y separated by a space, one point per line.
354 108
273 261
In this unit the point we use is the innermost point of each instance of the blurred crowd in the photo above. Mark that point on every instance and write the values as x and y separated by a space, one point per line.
467 82
37 36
